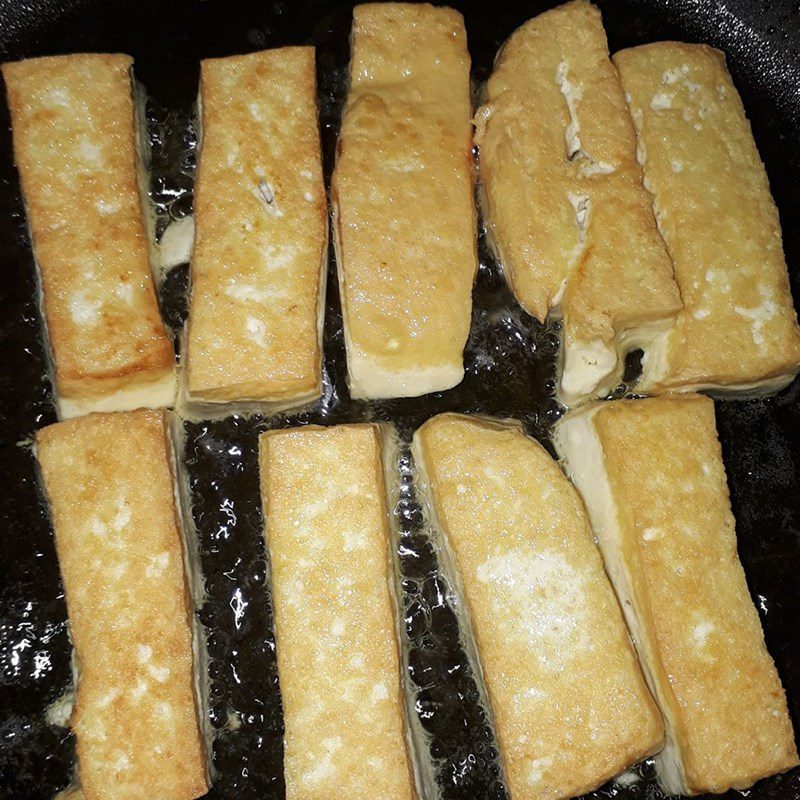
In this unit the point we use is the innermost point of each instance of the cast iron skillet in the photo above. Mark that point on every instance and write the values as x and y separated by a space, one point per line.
509 362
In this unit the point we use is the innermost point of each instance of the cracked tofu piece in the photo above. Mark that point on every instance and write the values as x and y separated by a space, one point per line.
563 198
651 475
569 704
109 483
402 194
260 255
326 526
738 330
75 148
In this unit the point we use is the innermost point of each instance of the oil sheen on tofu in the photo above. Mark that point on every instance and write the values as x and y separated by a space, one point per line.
402 195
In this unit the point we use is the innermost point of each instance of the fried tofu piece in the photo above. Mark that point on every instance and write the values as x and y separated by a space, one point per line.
738 330
326 526
570 706
563 198
108 479
75 149
402 196
260 253
651 475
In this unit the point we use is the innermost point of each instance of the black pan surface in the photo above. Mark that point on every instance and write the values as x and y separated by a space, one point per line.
509 360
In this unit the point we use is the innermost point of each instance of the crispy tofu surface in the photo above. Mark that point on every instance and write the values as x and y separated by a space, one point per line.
404 216
738 330
74 146
260 253
109 483
651 474
569 704
327 533
562 191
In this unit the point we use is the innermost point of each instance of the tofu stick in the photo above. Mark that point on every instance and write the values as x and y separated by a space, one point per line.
326 527
563 197
652 478
260 254
570 706
108 479
402 195
738 330
75 149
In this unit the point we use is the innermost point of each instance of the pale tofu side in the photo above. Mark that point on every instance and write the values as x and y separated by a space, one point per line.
402 194
74 146
109 484
652 477
569 704
563 196
738 329
260 252
326 527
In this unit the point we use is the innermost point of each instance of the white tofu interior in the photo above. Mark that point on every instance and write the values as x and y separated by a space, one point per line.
159 393
592 370
176 243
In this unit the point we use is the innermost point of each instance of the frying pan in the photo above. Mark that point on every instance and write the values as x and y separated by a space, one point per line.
509 372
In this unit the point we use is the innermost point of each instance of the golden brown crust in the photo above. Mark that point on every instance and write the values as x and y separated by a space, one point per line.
327 532
261 231
570 706
701 635
570 218
720 224
109 483
404 216
74 146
